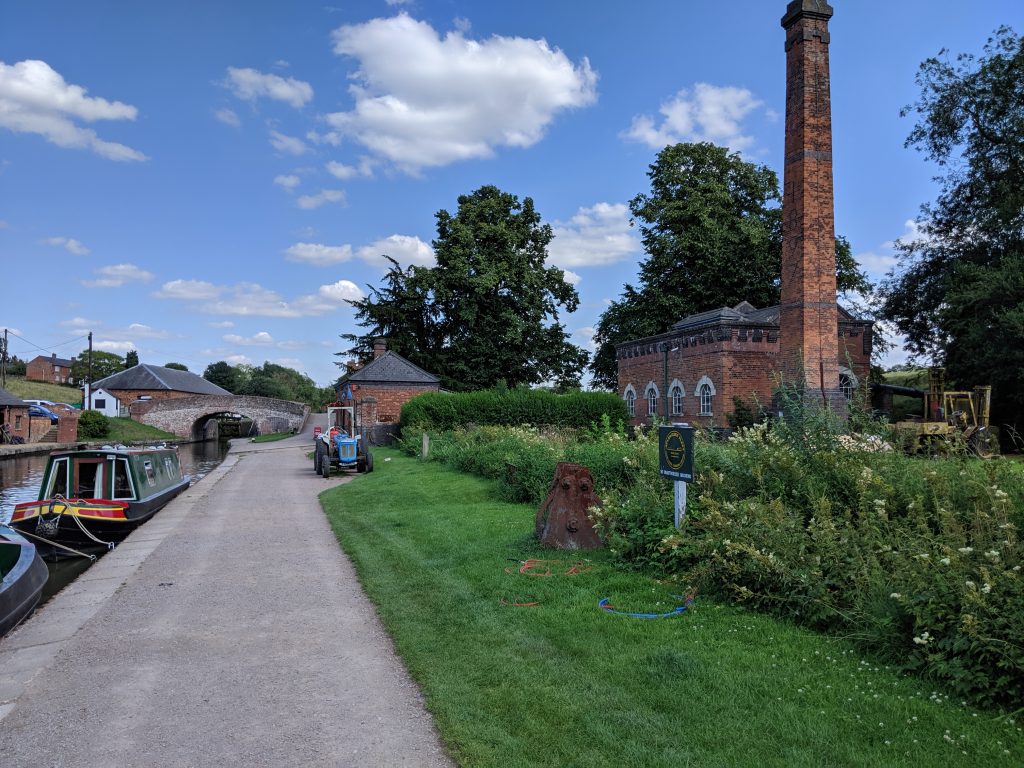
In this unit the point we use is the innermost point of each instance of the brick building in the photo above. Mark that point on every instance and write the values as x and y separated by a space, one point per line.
152 382
52 369
18 422
380 388
696 369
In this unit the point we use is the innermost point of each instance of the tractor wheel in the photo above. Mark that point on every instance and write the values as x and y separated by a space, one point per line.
361 464
317 454
325 464
369 462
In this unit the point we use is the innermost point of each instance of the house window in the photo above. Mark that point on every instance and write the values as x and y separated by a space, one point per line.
846 385
630 398
99 403
676 393
706 395
17 421
651 393
706 399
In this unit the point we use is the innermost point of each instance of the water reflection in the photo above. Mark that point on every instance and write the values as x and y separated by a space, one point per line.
20 477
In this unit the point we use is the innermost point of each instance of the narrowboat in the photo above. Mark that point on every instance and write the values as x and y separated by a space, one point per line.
22 577
97 496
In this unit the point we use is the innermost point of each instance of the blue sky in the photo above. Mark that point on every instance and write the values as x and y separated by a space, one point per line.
205 181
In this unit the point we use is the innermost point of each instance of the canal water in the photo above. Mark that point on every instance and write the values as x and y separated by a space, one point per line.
20 477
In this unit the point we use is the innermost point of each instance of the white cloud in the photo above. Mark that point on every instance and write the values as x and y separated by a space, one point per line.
35 99
345 172
593 237
80 322
318 254
222 324
228 117
68 244
422 100
587 334
324 196
341 291
117 275
289 182
710 113
117 347
250 84
571 277
878 261
405 249
188 290
332 138
287 144
260 339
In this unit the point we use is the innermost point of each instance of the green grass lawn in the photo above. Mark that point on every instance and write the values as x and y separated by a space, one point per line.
22 388
565 684
124 430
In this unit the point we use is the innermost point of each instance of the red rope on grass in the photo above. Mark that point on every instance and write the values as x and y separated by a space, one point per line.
528 567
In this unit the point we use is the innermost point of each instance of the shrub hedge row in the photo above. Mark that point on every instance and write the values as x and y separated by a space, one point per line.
451 410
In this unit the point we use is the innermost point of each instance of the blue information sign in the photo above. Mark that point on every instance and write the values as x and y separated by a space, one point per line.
675 452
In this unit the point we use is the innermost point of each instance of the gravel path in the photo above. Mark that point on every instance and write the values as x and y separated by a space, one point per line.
243 638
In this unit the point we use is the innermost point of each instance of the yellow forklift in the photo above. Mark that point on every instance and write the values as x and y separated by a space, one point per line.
947 416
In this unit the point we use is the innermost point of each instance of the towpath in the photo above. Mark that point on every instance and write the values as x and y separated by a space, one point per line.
229 630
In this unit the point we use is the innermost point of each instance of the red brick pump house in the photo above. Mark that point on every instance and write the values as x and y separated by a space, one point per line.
380 388
694 371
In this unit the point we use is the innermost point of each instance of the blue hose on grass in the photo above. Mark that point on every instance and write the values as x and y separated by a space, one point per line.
607 608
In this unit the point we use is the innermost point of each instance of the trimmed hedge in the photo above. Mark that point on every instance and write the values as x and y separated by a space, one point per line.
452 410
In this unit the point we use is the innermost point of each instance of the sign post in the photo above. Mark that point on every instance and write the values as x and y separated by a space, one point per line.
675 461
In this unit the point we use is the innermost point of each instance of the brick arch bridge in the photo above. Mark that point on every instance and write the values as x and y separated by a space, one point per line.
189 417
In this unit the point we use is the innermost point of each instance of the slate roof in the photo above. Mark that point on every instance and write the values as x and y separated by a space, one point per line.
155 377
743 313
6 398
63 362
390 368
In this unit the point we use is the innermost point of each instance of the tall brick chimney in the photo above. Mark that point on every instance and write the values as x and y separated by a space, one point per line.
380 346
808 318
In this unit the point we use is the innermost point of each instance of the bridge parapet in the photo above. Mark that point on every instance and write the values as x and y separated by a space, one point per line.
184 415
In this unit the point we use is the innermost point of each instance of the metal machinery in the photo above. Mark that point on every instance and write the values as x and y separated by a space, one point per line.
341 446
946 414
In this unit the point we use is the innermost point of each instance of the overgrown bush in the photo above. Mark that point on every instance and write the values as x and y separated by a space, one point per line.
917 559
93 425
452 410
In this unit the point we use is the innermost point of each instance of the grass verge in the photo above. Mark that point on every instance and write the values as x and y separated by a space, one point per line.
124 430
565 684
272 437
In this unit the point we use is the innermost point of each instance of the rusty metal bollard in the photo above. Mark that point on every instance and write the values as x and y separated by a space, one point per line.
562 520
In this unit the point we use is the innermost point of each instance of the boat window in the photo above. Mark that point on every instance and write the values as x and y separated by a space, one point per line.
122 480
89 480
150 473
58 479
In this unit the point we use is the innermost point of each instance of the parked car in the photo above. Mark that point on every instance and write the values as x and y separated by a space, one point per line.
43 403
38 410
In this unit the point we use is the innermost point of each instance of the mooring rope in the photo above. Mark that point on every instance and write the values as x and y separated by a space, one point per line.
55 544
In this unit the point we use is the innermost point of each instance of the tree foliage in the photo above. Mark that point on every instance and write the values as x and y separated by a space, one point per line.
712 229
223 375
103 364
176 366
958 292
131 359
489 308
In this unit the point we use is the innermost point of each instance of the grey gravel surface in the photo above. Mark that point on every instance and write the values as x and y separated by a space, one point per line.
242 638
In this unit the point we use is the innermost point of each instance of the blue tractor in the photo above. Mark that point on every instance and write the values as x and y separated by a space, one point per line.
340 446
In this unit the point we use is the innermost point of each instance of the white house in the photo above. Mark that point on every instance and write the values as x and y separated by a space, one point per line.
102 401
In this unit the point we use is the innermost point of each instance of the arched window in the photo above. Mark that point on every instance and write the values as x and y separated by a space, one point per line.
675 394
630 397
651 393
706 395
847 382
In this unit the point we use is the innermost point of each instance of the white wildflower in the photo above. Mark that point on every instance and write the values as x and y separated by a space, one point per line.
986 588
992 554
965 550
895 595
924 639
944 561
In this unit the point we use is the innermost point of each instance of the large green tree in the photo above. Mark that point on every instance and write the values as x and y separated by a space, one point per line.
489 309
103 364
712 229
958 291
223 375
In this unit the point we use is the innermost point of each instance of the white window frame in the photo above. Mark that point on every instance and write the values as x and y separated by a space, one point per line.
705 390
851 385
676 393
629 395
652 402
